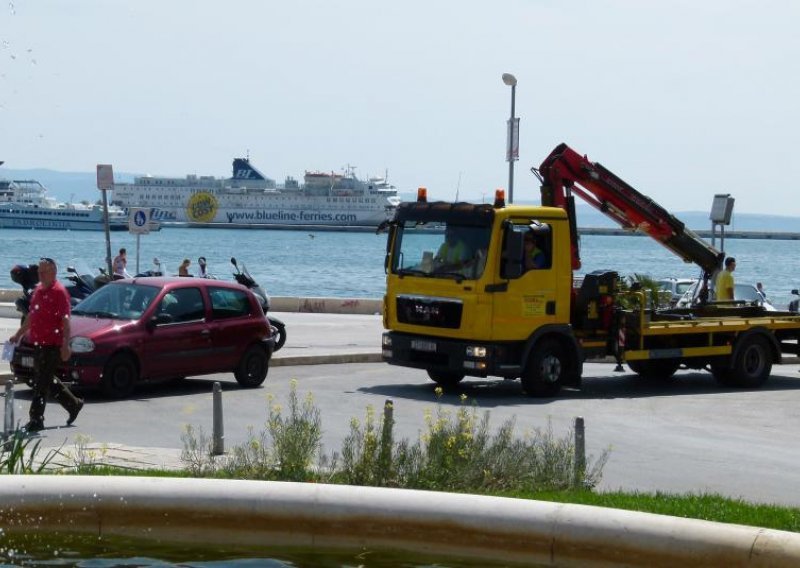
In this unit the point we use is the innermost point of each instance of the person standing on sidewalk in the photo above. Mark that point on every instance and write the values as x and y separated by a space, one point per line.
47 326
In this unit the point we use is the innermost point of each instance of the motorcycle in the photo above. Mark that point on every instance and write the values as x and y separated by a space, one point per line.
81 284
157 270
27 276
82 281
243 277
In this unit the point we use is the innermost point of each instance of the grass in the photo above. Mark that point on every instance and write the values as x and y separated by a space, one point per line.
457 451
709 507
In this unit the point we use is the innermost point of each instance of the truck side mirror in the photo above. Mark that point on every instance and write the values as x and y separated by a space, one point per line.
512 254
389 243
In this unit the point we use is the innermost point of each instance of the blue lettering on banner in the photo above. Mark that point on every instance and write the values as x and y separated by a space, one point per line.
291 217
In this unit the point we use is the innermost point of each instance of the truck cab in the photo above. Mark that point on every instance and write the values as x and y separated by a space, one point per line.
472 289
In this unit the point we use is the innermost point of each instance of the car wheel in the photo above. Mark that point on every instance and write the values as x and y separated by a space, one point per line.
446 379
119 376
253 367
545 370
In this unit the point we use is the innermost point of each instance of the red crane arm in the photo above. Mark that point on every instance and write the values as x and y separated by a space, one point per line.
565 172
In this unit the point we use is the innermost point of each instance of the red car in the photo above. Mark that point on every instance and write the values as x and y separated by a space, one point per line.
153 329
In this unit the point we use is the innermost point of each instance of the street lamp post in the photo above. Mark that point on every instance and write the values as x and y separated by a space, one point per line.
512 150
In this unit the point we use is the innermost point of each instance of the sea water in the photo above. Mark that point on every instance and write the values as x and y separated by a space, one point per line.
351 264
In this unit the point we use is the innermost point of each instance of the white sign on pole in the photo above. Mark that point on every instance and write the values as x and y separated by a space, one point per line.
139 221
105 176
512 140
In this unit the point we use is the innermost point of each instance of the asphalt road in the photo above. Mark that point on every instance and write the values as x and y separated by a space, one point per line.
690 435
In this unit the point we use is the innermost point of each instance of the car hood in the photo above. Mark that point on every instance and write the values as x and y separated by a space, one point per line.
90 326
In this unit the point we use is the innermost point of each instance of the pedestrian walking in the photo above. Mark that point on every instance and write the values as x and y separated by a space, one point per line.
47 328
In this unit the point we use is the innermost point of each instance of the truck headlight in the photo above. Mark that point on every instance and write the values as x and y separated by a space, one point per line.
387 340
476 351
81 345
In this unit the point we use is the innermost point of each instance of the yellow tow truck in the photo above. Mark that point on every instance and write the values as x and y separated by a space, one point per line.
488 291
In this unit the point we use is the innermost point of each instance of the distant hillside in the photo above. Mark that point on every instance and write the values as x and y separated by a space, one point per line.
590 217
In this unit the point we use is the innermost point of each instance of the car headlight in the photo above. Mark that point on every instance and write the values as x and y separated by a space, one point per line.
81 345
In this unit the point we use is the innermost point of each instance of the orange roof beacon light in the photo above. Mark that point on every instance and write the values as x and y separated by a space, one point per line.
499 198
422 195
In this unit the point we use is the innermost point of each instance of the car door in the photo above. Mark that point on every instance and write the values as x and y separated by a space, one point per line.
233 322
180 340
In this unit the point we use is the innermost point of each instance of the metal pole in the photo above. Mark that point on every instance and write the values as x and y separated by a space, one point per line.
219 433
580 452
511 157
8 421
138 237
108 233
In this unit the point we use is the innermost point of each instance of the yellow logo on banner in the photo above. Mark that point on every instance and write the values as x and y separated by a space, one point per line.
202 207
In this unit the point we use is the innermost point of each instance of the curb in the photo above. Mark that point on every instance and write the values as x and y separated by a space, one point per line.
311 305
265 514
292 361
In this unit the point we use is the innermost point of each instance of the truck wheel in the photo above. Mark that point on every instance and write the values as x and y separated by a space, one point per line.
446 379
119 376
753 363
253 368
655 369
545 370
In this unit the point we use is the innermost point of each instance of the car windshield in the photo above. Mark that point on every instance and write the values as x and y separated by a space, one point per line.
458 252
118 301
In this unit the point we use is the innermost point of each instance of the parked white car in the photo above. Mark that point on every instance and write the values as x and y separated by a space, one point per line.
743 292
675 286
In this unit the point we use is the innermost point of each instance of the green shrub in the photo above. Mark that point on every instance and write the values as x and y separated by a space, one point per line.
456 452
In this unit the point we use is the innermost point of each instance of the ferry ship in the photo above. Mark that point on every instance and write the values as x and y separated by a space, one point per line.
250 199
24 204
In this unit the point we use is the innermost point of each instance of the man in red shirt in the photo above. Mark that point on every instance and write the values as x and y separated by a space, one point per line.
47 326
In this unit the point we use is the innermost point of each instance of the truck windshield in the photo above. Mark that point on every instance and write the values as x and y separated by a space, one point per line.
441 251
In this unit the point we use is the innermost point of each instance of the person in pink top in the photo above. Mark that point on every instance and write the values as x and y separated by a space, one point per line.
47 328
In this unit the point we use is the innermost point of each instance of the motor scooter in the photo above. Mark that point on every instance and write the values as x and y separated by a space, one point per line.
157 270
27 276
80 285
243 277
83 281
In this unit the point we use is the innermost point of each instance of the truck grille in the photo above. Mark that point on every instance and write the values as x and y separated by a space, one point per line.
431 312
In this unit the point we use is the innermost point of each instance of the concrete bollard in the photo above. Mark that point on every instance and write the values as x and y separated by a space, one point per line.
8 420
580 452
218 436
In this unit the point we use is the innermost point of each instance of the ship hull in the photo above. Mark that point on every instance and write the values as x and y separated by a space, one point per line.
55 220
272 214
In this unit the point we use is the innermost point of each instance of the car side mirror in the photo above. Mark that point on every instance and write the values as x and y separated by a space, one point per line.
160 319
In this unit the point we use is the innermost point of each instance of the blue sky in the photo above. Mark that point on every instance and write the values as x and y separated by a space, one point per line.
681 99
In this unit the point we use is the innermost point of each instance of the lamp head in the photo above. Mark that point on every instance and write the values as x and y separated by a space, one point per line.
509 79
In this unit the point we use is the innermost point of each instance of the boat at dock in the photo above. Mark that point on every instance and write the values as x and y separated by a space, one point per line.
24 204
250 199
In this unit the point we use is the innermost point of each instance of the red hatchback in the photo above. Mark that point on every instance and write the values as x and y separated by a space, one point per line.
153 329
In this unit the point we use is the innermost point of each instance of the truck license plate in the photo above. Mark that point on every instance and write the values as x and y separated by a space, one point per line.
420 345
26 361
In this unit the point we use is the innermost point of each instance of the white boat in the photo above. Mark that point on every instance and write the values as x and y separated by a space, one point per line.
24 204
249 198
